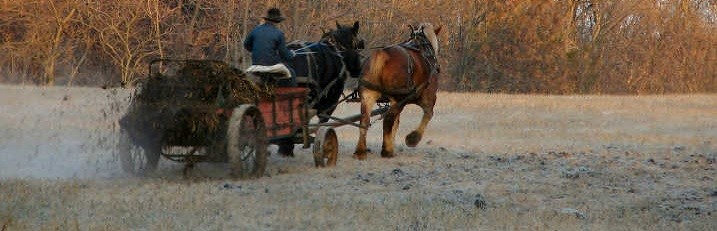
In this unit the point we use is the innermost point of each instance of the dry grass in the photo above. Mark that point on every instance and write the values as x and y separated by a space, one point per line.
623 162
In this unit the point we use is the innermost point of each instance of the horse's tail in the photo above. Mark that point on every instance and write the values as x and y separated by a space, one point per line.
375 65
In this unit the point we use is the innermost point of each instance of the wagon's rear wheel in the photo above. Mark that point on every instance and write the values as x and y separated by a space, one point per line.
137 160
246 142
326 147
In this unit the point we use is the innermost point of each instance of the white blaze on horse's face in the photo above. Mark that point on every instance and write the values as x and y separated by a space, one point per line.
430 32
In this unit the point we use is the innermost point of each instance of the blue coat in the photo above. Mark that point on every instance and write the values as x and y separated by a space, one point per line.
267 45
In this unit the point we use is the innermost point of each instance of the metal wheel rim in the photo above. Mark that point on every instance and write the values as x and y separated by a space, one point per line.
326 148
248 148
246 142
330 147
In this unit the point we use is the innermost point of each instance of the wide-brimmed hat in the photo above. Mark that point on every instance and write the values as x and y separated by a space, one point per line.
274 15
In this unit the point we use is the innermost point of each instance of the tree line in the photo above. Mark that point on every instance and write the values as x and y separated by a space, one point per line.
514 46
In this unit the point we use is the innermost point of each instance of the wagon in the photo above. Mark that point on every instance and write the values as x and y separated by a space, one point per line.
205 111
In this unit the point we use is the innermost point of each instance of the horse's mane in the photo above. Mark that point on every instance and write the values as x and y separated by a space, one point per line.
428 30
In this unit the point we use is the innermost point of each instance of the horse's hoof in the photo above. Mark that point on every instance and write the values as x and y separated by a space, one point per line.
360 156
413 138
286 150
386 154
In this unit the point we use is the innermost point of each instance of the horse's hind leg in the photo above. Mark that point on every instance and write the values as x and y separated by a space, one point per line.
286 148
390 126
368 99
414 137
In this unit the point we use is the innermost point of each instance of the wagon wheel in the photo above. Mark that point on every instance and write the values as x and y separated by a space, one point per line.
137 160
246 142
326 147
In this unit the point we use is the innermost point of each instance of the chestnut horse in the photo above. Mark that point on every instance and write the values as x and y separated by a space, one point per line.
406 73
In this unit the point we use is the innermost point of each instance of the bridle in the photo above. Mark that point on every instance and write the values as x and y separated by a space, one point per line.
331 40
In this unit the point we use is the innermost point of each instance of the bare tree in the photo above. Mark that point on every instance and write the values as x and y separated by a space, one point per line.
573 46
46 35
123 31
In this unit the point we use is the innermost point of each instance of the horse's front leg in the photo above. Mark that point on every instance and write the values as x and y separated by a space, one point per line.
368 99
414 137
390 126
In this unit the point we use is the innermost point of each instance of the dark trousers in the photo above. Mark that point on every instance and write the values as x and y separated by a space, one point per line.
290 82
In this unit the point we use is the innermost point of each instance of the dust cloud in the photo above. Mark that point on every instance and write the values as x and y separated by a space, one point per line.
57 132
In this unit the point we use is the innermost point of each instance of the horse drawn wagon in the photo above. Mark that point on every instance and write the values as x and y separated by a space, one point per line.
205 111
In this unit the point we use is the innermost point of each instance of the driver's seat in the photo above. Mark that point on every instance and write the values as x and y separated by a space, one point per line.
268 74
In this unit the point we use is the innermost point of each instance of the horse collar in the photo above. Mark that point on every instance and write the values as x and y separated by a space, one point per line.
419 43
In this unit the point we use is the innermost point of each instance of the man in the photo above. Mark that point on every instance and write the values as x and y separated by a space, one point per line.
268 54
268 48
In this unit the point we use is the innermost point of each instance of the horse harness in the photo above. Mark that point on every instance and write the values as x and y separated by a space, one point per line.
418 43
336 49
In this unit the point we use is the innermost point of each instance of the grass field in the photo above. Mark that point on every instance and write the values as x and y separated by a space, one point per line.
487 162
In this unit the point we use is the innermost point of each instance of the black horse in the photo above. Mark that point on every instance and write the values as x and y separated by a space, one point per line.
323 67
